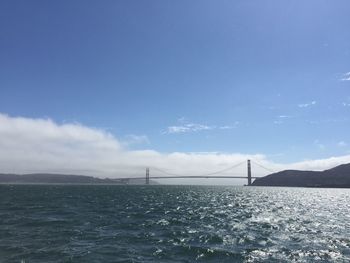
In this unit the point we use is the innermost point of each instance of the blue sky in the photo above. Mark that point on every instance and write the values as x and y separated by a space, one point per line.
268 77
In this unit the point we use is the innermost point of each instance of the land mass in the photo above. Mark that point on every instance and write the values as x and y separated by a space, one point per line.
44 178
337 177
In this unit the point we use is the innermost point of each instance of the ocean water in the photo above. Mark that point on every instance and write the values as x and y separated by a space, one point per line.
86 223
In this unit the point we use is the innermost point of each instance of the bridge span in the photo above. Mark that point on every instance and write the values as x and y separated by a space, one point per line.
249 176
187 176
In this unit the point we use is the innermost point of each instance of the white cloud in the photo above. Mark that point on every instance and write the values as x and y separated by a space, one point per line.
345 77
281 119
320 164
229 127
182 119
189 127
305 105
41 145
342 144
226 127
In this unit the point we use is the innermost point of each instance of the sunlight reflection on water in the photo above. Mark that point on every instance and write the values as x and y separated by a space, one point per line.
173 223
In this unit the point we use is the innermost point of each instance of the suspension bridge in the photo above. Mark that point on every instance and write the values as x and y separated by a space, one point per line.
216 174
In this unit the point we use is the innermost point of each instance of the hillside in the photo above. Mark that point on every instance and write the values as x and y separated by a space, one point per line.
337 177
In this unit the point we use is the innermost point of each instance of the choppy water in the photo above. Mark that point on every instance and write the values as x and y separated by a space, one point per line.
52 223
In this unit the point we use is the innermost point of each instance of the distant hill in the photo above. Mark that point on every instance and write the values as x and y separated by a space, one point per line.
42 178
337 177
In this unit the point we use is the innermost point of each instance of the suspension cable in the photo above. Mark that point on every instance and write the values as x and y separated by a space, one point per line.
207 174
262 166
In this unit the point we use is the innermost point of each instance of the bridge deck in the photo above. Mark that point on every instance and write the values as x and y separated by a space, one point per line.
184 176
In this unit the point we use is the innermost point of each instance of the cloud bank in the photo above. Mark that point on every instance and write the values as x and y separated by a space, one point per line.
41 145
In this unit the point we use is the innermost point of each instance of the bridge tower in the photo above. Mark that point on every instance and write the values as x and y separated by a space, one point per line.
147 175
249 173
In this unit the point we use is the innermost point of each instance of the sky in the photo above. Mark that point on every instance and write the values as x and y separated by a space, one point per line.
97 87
